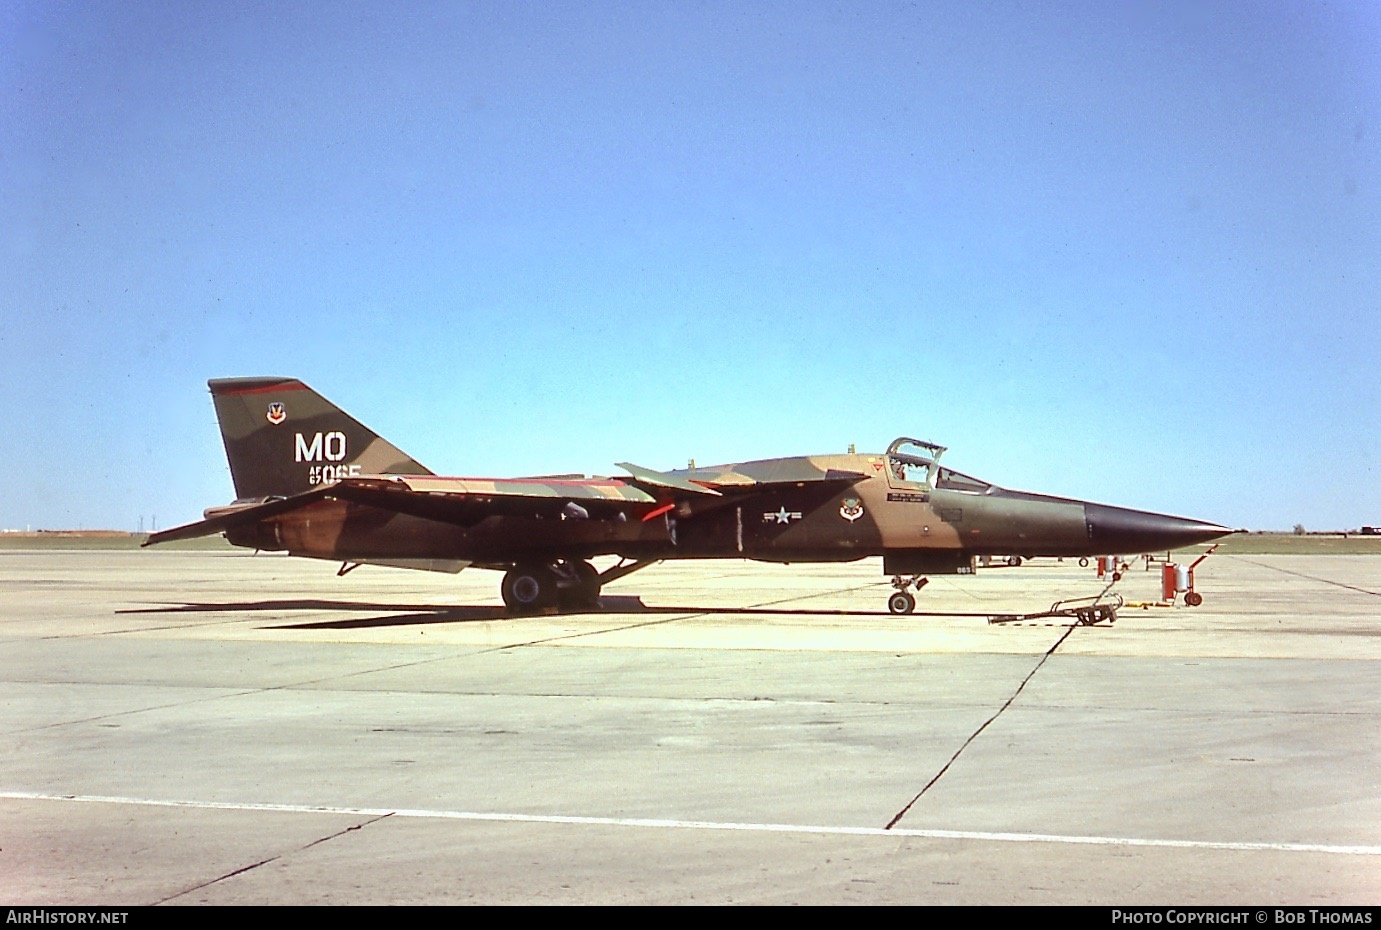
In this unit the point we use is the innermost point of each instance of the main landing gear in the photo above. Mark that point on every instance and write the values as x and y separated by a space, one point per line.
902 601
529 588
568 584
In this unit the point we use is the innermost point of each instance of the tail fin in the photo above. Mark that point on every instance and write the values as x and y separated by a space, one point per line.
282 438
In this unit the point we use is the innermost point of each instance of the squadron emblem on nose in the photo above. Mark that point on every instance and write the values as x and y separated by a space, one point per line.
851 509
277 413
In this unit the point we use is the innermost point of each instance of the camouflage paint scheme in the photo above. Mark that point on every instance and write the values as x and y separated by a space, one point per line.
312 480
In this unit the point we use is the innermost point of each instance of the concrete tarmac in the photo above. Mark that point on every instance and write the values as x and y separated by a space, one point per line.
218 727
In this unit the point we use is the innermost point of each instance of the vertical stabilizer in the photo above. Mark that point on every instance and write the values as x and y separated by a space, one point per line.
283 438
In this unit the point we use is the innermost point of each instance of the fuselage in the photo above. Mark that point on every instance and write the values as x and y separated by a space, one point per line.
313 481
833 508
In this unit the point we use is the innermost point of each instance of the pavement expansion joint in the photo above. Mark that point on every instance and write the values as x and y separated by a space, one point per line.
974 735
1287 571
254 865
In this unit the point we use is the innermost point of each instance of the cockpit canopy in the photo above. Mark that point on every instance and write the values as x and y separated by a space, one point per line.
917 461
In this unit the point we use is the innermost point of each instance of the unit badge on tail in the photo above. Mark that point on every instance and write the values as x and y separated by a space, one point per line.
277 413
851 509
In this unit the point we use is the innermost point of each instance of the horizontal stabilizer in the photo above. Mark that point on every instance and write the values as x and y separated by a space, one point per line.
237 516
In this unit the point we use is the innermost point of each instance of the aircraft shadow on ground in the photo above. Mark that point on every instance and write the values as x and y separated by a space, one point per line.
410 613
394 615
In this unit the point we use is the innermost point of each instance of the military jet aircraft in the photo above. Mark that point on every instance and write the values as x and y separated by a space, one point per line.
311 480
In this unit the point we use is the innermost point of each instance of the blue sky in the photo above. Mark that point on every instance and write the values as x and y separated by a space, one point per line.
1128 252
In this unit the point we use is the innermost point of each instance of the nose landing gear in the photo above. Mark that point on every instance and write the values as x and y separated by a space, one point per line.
902 601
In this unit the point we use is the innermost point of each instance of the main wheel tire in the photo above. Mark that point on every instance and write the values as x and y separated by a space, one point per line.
585 593
528 588
901 602
1014 560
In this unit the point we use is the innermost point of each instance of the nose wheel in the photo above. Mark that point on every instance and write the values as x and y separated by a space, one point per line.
902 601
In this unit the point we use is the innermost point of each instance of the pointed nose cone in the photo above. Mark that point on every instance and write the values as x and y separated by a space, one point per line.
1117 530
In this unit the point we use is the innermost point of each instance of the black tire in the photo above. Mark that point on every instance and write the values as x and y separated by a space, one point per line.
585 593
1014 560
528 588
1193 598
901 602
1083 563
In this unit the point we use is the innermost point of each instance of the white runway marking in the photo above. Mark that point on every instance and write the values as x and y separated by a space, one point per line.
704 825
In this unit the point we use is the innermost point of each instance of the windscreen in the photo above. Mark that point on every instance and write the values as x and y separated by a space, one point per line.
952 480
